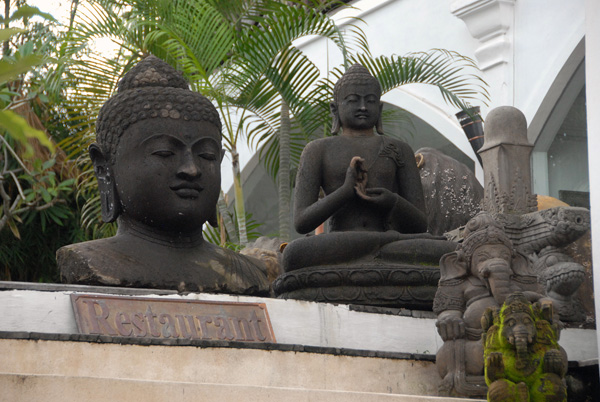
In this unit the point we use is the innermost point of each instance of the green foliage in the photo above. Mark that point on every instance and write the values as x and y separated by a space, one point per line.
213 235
32 257
36 185
438 67
17 127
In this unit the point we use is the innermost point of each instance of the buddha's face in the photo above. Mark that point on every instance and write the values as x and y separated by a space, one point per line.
167 173
359 107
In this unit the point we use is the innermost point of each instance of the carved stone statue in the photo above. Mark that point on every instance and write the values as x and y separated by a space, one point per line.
505 156
483 271
452 193
561 276
376 246
511 208
523 361
506 163
157 159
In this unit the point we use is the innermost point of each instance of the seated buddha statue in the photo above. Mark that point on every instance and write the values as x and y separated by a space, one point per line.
374 202
157 159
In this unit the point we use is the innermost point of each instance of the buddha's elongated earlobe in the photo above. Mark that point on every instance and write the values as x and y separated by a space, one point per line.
379 124
109 199
335 120
214 220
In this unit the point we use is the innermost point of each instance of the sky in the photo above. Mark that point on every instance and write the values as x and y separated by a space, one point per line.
60 9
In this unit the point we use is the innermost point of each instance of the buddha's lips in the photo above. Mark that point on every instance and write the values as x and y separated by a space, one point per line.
187 190
362 115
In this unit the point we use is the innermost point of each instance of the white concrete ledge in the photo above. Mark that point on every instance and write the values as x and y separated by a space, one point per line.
64 389
83 371
294 322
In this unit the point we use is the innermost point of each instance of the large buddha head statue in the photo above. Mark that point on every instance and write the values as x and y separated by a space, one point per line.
158 152
356 101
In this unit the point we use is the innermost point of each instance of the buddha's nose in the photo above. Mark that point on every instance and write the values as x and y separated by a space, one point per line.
188 167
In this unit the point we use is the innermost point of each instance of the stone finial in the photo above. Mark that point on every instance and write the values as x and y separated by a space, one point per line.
506 163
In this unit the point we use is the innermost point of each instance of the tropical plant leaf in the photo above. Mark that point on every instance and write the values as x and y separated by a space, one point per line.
11 70
27 11
441 68
7 33
13 228
18 128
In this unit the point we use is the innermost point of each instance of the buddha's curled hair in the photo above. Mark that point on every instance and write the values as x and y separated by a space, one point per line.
151 89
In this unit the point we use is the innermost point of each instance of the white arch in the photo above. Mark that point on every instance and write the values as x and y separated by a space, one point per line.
571 76
553 107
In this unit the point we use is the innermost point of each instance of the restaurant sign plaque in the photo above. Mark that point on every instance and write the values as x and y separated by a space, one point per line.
163 318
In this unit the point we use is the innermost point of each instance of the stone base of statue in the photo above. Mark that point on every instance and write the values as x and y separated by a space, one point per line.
410 281
408 286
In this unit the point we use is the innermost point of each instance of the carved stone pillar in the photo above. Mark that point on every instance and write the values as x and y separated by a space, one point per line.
506 163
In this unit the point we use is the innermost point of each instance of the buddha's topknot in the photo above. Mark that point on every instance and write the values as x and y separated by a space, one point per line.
357 74
151 89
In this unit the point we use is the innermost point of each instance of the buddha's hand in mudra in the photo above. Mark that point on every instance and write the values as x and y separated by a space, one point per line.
356 176
379 196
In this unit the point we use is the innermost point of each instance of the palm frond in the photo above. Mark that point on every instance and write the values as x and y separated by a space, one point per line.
441 68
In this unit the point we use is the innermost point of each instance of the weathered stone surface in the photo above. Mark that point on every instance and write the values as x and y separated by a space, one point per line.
506 163
74 389
555 227
157 160
452 193
538 230
523 361
561 276
581 252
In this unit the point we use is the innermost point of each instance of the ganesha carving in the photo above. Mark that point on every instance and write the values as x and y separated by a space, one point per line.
523 361
480 274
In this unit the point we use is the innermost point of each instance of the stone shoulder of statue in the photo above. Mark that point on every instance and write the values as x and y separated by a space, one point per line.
213 269
157 159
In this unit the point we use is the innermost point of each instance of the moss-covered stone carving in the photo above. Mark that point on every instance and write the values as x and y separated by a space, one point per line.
523 361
